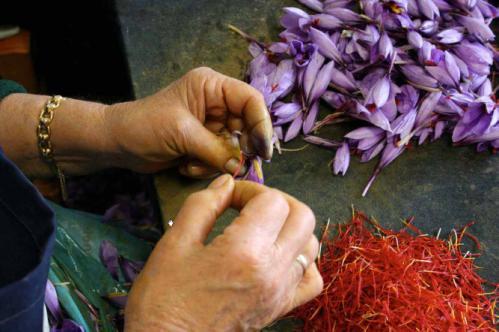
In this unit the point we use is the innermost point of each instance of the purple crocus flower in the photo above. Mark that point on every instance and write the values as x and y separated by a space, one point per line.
60 324
130 268
342 159
325 45
109 258
313 4
449 36
255 172
408 69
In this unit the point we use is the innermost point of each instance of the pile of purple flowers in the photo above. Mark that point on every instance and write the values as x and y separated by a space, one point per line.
408 69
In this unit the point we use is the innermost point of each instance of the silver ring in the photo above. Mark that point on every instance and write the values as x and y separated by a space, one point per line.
303 261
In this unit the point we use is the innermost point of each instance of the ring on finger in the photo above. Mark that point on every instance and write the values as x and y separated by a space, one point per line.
303 261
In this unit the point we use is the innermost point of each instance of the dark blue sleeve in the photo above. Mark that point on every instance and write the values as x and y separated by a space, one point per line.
27 231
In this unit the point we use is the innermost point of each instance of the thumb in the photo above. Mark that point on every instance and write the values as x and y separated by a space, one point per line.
214 150
197 216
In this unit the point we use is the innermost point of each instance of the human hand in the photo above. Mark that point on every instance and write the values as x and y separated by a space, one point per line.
244 279
186 119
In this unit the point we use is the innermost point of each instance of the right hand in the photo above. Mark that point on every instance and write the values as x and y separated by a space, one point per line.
244 279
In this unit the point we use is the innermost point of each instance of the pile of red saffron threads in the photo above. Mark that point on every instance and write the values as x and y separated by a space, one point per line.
377 279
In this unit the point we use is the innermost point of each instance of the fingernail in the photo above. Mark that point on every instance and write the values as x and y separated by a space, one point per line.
219 182
262 140
233 165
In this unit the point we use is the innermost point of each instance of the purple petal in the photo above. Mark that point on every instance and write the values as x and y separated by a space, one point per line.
428 8
364 132
294 129
342 80
68 326
109 258
441 74
313 4
311 72
52 302
285 110
407 99
130 268
428 27
341 160
310 118
423 135
379 119
385 46
381 91
367 143
372 152
321 82
485 89
415 39
291 16
418 76
118 299
325 21
344 14
255 172
336 100
254 49
477 27
427 107
404 124
322 142
449 36
278 132
476 56
325 45
439 129
452 67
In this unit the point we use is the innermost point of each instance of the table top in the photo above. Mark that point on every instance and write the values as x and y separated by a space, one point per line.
442 186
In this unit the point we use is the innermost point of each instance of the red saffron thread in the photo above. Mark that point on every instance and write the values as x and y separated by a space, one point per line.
398 281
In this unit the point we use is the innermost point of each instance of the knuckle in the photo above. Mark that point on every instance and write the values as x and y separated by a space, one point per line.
201 71
273 196
307 216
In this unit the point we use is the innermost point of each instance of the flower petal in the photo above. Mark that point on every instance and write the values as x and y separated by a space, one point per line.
284 110
310 118
364 132
294 129
325 45
109 257
313 4
321 82
322 142
341 160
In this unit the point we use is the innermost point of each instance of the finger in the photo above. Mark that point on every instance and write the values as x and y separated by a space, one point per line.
214 126
310 286
260 220
302 262
235 123
246 144
297 230
298 227
246 102
214 150
198 170
197 216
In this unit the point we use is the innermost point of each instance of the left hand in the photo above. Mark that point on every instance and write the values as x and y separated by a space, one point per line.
187 119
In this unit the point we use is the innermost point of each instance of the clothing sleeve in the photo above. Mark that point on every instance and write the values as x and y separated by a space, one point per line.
27 231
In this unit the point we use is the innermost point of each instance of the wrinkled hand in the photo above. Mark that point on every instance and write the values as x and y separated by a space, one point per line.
244 279
186 119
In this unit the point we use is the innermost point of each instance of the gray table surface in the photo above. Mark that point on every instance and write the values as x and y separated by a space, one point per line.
442 186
